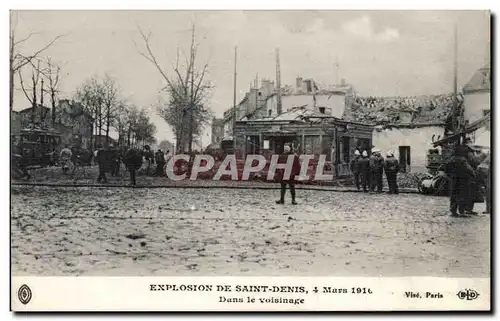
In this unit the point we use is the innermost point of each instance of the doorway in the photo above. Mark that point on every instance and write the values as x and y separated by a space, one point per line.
404 159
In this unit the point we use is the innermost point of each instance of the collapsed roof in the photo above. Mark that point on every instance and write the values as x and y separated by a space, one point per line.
417 110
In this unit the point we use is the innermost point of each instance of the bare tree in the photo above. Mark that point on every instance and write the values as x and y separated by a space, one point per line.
187 90
32 97
110 100
52 74
90 96
17 60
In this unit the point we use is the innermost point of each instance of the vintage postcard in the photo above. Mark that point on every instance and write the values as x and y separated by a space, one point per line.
250 160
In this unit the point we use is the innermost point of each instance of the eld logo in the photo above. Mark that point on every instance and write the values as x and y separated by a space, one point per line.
468 294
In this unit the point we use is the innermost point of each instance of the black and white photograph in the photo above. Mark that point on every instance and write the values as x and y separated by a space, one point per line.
252 143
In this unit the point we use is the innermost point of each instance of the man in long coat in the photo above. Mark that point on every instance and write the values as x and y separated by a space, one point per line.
364 169
377 169
133 161
105 163
355 168
391 167
461 174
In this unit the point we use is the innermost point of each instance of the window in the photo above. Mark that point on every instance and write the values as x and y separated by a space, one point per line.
260 94
322 110
270 112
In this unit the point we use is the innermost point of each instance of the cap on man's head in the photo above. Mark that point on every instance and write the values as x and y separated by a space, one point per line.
357 153
287 148
365 153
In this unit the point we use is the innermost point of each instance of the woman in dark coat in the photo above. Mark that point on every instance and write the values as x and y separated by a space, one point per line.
284 181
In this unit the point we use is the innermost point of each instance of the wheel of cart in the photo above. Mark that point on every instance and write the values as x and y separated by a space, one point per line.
441 183
424 185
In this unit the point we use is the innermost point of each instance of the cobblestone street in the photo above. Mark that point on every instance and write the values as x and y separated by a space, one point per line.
176 231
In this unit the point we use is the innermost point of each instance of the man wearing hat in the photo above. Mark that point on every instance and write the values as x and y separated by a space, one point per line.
377 170
364 170
355 167
391 167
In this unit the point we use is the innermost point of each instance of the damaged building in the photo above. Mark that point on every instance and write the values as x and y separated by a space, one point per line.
406 125
310 132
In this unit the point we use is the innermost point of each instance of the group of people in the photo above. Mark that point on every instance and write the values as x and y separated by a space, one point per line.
109 159
369 170
469 174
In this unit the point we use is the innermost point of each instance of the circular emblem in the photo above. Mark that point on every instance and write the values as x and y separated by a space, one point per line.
24 294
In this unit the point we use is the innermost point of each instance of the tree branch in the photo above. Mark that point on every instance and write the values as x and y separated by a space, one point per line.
23 88
26 38
35 55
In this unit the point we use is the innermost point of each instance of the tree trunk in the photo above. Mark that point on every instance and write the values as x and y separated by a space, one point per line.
42 114
108 120
100 121
91 136
190 140
33 112
128 136
53 98
11 79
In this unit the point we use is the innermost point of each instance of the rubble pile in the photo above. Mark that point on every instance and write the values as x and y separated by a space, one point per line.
391 110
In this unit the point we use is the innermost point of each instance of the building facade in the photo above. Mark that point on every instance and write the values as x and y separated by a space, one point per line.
410 143
217 131
477 104
310 132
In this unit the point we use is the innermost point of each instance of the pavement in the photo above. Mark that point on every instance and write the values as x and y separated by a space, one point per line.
238 232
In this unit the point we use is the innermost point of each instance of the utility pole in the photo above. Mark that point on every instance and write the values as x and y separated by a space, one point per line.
278 81
234 99
456 124
191 98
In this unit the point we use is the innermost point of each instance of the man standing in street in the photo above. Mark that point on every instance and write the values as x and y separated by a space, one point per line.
391 167
133 161
484 173
65 158
364 169
115 160
284 181
160 162
355 168
377 170
461 174
148 157
104 162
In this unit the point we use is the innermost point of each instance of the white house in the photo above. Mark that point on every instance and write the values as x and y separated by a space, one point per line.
477 104
406 126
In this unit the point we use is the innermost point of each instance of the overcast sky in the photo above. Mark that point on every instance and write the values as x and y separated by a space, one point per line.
383 53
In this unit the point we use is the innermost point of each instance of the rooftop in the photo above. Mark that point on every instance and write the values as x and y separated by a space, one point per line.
480 81
416 110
